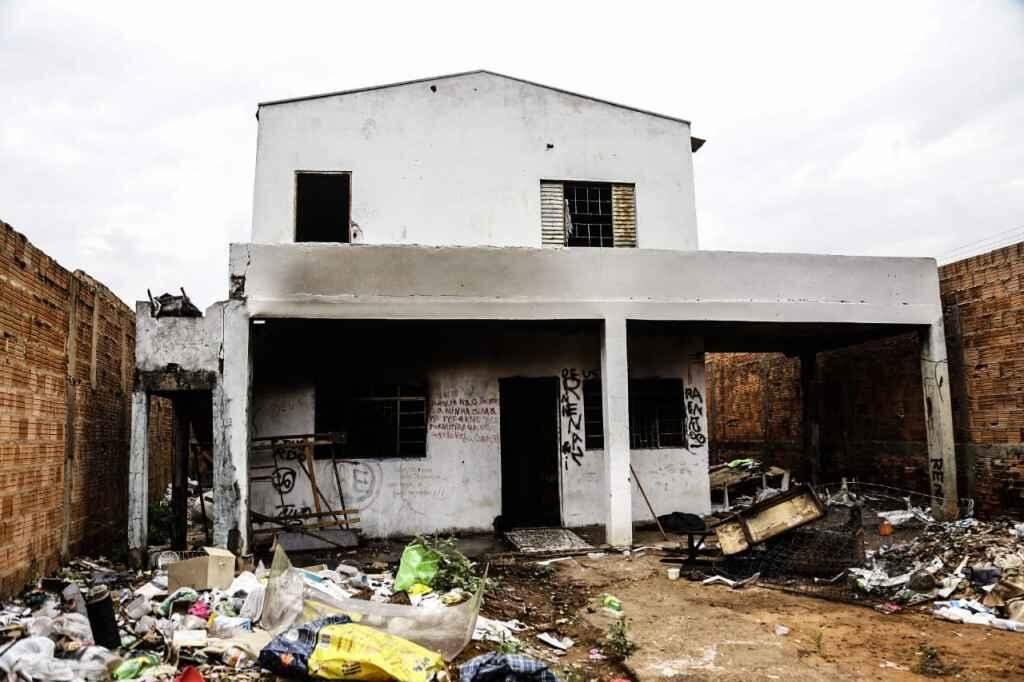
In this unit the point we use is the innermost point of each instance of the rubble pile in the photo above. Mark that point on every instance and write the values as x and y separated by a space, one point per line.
972 570
199 617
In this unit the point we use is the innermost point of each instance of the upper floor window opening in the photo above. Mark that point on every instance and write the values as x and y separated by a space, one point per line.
589 214
323 202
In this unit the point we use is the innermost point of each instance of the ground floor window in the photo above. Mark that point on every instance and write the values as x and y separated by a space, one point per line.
375 420
656 414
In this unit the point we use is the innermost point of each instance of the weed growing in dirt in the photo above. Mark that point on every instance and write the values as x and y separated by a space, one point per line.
454 570
931 664
819 643
510 645
570 674
617 644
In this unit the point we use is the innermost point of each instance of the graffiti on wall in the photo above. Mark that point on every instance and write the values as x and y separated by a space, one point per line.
364 483
570 414
694 405
460 417
938 479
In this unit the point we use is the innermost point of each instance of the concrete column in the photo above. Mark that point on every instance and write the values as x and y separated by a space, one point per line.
938 414
138 474
615 394
231 432
810 396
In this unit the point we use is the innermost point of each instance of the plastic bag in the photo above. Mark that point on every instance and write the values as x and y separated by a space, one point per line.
357 652
288 654
25 653
419 565
182 594
226 627
446 629
134 667
74 626
282 602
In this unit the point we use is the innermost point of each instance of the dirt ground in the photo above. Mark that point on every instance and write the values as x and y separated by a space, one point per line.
687 630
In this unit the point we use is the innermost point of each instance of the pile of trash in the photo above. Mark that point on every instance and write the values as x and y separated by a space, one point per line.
198 617
972 570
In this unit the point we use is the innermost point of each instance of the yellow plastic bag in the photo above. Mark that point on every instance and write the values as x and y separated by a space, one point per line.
356 652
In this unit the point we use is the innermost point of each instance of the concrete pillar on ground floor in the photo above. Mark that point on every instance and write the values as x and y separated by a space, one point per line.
138 474
231 432
810 398
615 394
938 414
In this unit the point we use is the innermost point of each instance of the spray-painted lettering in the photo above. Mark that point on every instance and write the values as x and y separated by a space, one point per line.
695 436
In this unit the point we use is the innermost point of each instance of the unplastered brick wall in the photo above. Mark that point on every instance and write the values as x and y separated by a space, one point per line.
65 378
754 407
984 301
872 406
161 446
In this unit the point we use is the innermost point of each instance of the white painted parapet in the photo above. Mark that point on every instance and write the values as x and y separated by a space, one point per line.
415 282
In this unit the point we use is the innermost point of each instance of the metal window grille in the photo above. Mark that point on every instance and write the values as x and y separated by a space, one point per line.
656 414
381 420
589 215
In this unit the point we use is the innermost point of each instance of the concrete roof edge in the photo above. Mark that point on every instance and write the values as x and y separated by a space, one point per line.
415 81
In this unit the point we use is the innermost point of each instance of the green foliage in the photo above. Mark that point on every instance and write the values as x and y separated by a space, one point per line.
570 673
616 643
932 665
454 570
160 518
510 645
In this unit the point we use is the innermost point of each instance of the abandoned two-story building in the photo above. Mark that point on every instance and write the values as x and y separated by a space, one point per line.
487 296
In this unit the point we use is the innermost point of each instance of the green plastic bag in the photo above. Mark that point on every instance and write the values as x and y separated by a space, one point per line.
134 667
418 565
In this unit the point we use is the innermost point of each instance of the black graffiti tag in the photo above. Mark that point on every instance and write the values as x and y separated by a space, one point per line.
572 416
283 479
695 436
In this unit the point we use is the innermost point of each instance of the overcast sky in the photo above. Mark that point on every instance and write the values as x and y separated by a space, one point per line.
128 135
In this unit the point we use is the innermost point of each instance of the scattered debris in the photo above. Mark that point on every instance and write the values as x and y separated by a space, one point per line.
540 540
768 518
169 305
563 644
499 667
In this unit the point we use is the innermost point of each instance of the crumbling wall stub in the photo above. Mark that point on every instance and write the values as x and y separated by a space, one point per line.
138 474
190 343
231 429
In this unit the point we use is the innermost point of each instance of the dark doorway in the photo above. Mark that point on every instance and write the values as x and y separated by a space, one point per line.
322 205
529 452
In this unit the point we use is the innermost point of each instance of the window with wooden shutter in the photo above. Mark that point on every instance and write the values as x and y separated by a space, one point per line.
552 214
590 214
624 214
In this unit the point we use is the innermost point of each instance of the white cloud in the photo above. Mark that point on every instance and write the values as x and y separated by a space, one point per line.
128 141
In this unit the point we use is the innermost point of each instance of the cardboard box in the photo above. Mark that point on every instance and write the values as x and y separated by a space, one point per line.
216 570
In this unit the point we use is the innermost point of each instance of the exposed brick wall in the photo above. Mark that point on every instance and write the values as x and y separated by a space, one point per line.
55 405
751 401
161 446
873 418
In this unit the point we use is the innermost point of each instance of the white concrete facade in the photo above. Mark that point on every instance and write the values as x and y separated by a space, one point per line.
457 161
457 485
446 225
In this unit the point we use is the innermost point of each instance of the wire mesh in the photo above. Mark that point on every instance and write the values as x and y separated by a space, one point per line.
815 559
